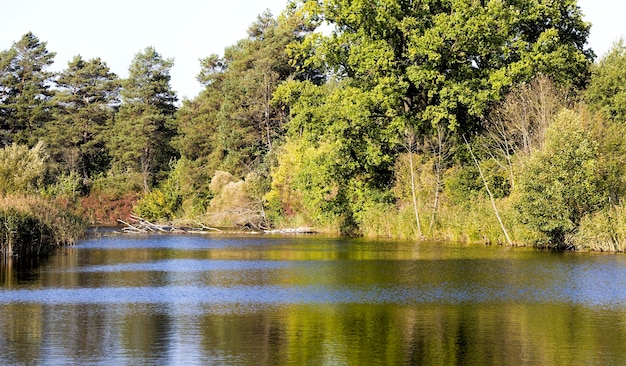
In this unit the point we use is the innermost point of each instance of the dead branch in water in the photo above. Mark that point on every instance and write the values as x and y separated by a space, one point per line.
139 225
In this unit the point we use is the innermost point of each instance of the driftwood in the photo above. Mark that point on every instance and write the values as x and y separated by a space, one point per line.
297 230
139 225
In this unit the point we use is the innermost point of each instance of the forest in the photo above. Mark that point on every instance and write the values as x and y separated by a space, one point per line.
465 120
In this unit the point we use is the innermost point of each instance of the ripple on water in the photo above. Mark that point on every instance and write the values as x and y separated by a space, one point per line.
280 295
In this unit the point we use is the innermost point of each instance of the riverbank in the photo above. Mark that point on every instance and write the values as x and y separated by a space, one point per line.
33 226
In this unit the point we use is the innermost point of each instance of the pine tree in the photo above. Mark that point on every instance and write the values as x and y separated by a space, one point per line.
25 90
233 124
87 97
144 125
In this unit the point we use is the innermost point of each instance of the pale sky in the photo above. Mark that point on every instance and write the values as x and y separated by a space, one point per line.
186 30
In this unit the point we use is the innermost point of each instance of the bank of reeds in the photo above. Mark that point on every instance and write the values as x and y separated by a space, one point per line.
603 231
473 222
31 226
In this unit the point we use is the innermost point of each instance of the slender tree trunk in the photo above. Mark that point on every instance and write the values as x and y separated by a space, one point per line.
266 112
493 202
439 155
435 204
409 140
414 196
145 169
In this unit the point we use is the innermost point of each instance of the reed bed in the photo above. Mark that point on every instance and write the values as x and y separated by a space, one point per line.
32 226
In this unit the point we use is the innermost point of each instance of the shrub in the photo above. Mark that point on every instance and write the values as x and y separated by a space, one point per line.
562 182
22 169
236 203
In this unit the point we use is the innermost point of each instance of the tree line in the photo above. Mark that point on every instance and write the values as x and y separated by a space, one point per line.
457 120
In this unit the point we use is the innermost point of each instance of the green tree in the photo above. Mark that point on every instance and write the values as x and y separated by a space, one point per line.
25 90
233 124
398 64
607 90
87 97
144 124
563 181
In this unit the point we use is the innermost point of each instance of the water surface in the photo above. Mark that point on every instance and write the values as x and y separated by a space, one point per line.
249 300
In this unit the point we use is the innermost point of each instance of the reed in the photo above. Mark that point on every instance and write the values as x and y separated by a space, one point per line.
603 231
32 226
471 222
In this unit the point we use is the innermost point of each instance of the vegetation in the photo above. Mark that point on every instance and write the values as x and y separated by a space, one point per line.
35 226
457 120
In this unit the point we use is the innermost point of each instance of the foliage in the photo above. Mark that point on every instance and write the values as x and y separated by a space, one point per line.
164 202
34 226
22 169
112 196
427 66
25 93
607 90
232 125
144 124
357 129
562 182
602 231
236 203
447 61
68 186
88 93
103 208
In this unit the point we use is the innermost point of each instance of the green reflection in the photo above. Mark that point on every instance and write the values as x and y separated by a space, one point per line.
162 331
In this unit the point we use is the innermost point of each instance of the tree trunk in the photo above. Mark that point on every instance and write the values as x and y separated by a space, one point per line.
493 202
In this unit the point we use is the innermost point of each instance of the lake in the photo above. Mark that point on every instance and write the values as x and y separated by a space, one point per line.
310 300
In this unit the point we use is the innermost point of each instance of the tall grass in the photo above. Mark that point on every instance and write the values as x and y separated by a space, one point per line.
473 222
33 226
603 231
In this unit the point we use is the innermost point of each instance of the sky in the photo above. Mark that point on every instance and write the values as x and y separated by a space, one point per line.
186 30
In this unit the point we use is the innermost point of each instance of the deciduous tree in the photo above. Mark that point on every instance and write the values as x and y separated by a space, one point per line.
607 90
427 64
563 181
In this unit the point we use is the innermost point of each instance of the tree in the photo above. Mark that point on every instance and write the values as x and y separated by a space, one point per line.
563 181
448 61
144 124
607 90
233 124
428 64
87 97
22 170
517 127
25 90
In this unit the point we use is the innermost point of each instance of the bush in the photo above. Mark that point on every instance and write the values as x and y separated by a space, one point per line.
236 203
102 208
22 169
562 182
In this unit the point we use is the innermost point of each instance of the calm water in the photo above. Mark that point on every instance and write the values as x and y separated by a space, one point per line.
255 300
